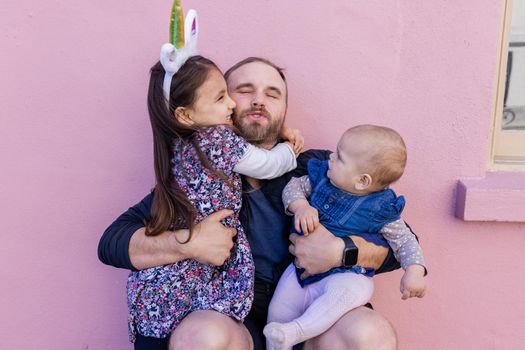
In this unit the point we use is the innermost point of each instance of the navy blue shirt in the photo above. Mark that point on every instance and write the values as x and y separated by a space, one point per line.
268 243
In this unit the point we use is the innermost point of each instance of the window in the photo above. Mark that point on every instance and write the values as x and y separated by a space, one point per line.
508 146
503 190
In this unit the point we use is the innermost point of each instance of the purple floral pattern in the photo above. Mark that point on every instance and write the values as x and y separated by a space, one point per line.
160 297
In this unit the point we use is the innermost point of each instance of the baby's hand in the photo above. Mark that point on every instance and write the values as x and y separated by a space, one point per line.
413 282
306 218
294 137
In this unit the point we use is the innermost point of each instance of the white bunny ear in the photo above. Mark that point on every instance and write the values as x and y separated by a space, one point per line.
168 55
170 60
191 32
174 54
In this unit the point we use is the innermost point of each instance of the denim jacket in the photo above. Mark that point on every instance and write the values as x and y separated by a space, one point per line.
344 213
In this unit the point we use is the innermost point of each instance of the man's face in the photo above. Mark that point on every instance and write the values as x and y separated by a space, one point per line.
260 95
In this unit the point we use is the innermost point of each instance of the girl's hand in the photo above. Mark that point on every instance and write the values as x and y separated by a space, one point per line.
413 282
295 137
306 219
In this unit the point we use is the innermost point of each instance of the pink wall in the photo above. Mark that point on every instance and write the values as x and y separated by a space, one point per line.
76 148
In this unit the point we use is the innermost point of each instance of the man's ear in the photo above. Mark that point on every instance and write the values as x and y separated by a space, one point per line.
365 181
183 116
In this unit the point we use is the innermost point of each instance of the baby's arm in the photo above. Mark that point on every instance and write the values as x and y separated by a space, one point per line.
409 254
261 163
295 202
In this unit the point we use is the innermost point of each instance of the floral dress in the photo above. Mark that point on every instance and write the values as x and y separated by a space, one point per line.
160 297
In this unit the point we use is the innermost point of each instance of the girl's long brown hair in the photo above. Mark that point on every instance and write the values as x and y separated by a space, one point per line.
171 208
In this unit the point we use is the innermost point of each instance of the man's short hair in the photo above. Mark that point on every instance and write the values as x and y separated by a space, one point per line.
255 59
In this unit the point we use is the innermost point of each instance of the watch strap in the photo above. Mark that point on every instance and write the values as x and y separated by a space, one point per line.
350 252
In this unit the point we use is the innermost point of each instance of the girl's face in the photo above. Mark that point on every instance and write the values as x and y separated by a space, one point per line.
213 105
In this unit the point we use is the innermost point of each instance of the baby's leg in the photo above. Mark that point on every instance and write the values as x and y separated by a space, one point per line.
288 303
337 294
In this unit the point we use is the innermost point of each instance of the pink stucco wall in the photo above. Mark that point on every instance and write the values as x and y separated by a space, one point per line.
76 149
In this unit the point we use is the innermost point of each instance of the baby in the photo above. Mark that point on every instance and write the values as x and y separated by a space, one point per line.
349 195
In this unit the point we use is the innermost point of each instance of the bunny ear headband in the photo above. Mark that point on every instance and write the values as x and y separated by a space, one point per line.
182 45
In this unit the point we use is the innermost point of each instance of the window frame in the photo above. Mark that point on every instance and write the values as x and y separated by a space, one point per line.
507 150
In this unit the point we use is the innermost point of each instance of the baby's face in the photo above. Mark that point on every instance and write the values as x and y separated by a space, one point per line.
368 158
344 164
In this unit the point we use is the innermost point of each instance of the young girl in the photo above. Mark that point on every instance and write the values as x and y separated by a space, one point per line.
198 159
348 194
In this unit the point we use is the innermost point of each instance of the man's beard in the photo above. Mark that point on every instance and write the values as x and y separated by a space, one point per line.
257 133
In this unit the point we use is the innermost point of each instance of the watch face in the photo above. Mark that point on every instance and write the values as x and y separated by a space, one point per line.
350 255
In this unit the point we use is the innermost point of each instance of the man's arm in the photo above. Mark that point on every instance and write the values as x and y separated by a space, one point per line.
114 243
125 245
321 251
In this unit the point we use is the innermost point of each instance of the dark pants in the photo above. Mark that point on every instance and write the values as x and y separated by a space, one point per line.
150 343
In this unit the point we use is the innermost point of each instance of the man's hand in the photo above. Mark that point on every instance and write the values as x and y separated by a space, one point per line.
318 252
294 137
321 251
212 242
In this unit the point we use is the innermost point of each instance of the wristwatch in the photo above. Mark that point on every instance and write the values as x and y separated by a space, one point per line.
349 253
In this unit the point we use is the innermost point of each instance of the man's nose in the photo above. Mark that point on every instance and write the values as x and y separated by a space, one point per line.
258 100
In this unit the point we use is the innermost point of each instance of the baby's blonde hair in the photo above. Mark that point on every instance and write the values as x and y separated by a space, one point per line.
383 152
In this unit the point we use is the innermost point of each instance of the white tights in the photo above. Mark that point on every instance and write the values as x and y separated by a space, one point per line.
297 314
